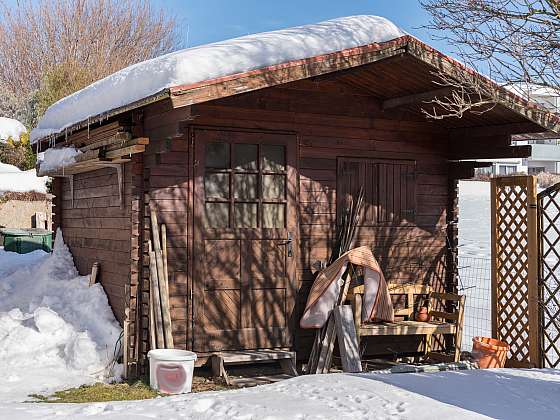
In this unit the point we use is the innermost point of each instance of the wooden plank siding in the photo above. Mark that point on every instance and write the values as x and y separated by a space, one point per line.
332 125
330 121
96 228
166 181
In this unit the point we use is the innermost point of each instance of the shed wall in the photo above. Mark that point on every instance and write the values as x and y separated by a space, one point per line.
332 123
96 228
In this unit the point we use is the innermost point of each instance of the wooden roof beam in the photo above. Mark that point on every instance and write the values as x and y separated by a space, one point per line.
496 130
489 152
415 98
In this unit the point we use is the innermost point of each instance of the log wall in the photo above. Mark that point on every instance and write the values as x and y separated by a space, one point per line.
96 228
333 123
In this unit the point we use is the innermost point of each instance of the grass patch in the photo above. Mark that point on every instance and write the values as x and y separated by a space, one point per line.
138 390
100 392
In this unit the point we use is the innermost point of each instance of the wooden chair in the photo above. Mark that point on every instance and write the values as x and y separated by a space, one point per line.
445 323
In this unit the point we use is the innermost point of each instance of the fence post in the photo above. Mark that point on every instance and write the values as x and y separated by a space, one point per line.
534 318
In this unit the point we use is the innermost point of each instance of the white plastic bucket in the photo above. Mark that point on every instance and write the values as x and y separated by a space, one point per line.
171 371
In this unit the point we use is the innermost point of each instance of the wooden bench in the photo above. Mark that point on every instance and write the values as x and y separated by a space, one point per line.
446 323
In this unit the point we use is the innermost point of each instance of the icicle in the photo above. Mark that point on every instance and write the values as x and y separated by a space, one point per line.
88 128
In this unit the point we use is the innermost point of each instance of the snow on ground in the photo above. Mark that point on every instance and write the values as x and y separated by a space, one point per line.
474 219
14 179
476 394
10 128
55 331
210 61
500 393
56 158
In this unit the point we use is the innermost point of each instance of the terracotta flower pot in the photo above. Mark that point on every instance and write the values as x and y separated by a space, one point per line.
422 314
489 352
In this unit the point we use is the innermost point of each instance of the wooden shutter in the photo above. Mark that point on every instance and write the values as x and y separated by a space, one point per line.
397 192
389 189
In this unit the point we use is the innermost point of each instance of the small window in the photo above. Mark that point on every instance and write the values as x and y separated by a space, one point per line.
245 185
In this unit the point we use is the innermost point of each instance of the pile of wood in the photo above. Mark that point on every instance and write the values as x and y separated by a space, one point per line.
340 324
161 334
105 151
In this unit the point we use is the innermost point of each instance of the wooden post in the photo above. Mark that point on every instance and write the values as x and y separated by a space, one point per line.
93 275
164 251
156 301
125 344
347 339
162 282
494 256
533 275
327 345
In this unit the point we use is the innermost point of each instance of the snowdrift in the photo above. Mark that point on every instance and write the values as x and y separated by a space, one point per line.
10 128
16 180
55 331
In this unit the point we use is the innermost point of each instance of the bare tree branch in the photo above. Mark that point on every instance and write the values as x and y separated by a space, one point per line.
97 36
512 41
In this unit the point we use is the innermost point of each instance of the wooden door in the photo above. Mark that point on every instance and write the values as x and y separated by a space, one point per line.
245 240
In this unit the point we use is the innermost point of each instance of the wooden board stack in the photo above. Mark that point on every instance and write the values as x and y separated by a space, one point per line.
161 334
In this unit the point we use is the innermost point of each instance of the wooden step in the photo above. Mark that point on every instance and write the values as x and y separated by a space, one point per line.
220 360
259 380
254 356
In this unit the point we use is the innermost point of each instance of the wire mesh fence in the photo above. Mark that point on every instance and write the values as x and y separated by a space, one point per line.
475 283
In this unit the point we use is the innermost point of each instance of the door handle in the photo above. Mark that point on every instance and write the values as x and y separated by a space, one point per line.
289 242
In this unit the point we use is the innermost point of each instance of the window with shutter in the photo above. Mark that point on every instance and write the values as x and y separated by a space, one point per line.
389 189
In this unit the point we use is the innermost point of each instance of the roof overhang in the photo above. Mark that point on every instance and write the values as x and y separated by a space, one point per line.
534 117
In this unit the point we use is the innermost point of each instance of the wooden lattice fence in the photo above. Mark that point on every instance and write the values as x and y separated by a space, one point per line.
549 274
515 313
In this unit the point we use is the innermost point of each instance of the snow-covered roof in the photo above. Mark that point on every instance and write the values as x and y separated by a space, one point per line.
10 128
15 180
529 90
206 62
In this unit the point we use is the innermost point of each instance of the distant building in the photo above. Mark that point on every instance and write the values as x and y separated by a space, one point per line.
545 152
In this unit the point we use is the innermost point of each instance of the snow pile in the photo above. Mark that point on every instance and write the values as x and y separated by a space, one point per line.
10 128
57 158
210 61
16 180
501 393
55 331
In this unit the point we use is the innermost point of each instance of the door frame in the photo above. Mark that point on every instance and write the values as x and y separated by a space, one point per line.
194 243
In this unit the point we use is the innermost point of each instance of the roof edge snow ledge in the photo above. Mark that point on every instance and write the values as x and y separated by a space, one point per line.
232 83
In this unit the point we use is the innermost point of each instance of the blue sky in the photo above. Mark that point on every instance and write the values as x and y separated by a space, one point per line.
206 21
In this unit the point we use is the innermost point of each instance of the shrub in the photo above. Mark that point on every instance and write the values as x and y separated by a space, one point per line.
18 153
547 179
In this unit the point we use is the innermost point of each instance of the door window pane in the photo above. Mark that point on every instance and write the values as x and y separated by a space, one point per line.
246 215
216 185
273 187
273 158
217 215
274 215
245 186
217 155
245 157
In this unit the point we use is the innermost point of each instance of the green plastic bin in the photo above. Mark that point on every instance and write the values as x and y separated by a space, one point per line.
23 241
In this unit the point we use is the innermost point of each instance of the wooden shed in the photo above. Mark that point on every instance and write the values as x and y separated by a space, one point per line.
248 172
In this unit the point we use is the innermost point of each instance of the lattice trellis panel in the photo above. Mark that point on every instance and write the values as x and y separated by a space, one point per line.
549 274
515 316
